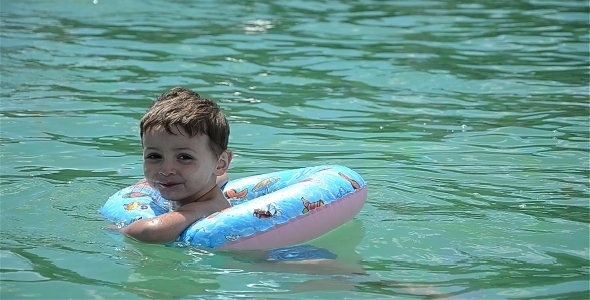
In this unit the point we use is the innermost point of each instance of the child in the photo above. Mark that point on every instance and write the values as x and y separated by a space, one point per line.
184 139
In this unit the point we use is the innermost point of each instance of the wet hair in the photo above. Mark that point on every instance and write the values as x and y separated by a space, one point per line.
186 109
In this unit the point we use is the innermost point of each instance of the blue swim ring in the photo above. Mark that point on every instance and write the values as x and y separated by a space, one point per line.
269 211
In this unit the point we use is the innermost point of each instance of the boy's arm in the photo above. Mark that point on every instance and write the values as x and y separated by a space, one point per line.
165 227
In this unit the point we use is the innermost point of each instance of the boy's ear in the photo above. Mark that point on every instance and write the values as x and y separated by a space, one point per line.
223 162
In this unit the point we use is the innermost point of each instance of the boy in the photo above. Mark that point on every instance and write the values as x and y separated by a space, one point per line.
184 139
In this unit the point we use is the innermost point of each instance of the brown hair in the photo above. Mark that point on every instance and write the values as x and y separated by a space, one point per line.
186 109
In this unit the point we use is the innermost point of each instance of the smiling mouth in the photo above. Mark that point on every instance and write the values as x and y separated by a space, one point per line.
168 185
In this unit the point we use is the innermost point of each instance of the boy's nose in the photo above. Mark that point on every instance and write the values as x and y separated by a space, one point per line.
167 169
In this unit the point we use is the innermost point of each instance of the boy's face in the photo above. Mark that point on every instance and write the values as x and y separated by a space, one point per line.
181 168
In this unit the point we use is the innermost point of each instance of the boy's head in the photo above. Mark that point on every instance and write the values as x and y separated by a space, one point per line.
183 108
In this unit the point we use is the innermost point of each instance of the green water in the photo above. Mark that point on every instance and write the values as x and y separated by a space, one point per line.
469 119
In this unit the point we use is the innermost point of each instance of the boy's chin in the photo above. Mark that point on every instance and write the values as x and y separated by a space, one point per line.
170 196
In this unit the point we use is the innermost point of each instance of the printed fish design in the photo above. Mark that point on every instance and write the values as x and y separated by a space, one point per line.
270 212
137 195
135 205
233 194
265 184
311 205
139 190
354 183
142 183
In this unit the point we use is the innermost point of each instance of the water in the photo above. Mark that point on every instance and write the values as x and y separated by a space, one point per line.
469 120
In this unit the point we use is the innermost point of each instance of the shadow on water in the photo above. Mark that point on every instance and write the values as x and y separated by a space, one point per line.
48 271
492 273
156 271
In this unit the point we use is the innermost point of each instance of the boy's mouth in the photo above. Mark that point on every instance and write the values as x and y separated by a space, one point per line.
168 184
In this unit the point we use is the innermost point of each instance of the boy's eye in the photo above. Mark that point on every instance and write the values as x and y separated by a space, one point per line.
153 156
185 157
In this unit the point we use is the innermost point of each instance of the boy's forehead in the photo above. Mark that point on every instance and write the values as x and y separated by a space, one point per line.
159 135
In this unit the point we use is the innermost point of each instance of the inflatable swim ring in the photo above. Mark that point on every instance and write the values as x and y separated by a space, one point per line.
269 211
